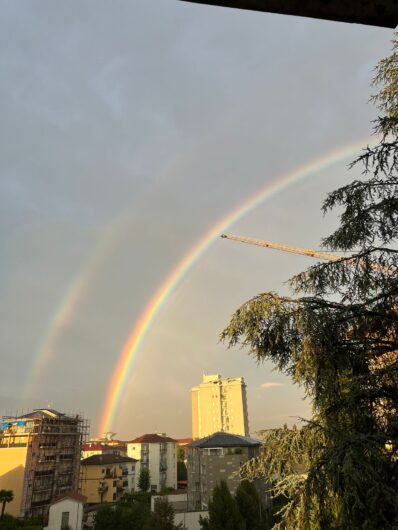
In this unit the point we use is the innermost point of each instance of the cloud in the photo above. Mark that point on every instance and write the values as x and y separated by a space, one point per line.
271 385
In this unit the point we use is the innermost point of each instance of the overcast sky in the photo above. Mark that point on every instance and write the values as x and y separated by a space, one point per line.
128 128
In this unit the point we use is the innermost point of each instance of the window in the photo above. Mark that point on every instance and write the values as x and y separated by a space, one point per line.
64 519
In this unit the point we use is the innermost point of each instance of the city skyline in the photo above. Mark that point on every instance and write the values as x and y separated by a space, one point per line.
129 132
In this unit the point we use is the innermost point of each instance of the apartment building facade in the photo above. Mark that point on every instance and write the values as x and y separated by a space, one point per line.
158 454
107 477
215 458
219 405
39 459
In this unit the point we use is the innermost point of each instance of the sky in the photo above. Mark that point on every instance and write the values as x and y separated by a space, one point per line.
128 129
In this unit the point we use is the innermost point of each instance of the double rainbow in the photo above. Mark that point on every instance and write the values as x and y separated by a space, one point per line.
142 326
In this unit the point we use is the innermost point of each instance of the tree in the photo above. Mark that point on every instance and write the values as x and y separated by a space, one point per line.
182 472
338 338
134 516
144 480
5 497
249 505
106 518
181 457
8 522
223 511
162 517
128 513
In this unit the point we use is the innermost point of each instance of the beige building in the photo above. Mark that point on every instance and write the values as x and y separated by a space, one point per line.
39 459
106 477
215 458
158 453
219 405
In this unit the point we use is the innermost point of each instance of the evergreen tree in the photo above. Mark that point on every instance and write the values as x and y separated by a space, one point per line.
134 516
130 512
144 480
162 517
182 472
249 505
339 340
223 511
107 518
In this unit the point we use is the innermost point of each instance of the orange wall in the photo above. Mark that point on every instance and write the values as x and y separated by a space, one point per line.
12 471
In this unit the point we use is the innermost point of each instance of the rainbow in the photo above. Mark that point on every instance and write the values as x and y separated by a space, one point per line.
142 326
61 318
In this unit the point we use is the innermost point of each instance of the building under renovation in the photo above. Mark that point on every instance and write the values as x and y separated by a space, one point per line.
39 458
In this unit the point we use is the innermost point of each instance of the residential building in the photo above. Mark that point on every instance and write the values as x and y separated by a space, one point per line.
107 477
39 459
219 405
158 454
66 511
119 446
97 448
215 458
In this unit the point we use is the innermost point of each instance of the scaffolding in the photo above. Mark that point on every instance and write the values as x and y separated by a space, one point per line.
52 467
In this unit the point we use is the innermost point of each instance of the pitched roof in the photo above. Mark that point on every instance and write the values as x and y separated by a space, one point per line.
104 459
70 495
225 439
151 439
90 446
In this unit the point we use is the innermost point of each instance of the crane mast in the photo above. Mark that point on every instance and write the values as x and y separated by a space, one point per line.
327 256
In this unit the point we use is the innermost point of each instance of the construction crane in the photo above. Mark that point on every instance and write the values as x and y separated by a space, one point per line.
327 256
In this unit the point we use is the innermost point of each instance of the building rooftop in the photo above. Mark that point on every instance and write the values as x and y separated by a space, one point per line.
151 439
105 459
36 413
94 446
41 414
70 495
224 439
381 13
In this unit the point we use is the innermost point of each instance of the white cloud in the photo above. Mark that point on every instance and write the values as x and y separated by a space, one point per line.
271 385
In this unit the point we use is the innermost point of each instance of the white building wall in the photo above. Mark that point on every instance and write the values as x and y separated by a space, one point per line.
131 475
134 451
172 465
75 510
154 462
190 520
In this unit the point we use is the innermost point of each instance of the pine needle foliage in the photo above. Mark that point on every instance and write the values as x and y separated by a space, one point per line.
338 339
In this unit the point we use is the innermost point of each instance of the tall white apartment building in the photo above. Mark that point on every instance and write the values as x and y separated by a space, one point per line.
219 405
158 453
